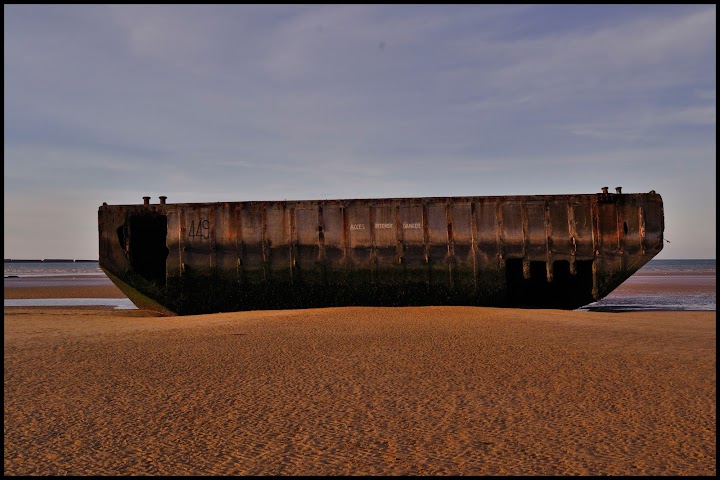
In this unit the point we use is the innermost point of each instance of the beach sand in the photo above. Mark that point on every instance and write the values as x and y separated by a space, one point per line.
417 391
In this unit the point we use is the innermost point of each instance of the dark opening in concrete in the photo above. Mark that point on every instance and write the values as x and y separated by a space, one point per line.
148 251
572 290
565 290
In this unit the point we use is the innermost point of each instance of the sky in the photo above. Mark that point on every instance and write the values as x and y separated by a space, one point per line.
224 103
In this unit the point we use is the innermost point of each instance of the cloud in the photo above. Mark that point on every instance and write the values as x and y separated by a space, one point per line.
637 125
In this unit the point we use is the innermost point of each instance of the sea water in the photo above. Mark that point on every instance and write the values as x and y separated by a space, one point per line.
52 269
58 274
659 285
664 285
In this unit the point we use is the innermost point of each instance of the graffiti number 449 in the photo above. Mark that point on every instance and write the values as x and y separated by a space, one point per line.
202 229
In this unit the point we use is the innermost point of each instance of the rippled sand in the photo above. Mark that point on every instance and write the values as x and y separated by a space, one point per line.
432 390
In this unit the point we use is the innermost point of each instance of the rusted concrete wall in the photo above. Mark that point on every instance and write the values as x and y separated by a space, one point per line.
555 250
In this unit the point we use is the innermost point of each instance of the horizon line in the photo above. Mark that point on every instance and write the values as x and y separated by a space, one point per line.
69 260
62 260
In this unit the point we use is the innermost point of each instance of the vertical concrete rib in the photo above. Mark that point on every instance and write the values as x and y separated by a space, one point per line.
238 242
596 238
373 250
400 248
212 213
264 244
500 234
449 220
426 242
573 236
620 229
293 244
450 243
345 235
641 221
321 234
182 229
473 244
596 242
525 260
548 242
620 215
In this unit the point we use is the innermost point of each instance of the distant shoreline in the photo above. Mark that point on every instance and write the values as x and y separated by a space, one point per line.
48 260
70 260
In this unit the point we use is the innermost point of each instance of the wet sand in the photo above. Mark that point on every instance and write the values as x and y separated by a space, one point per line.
61 287
418 391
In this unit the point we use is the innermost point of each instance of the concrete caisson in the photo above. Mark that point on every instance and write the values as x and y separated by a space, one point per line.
552 251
